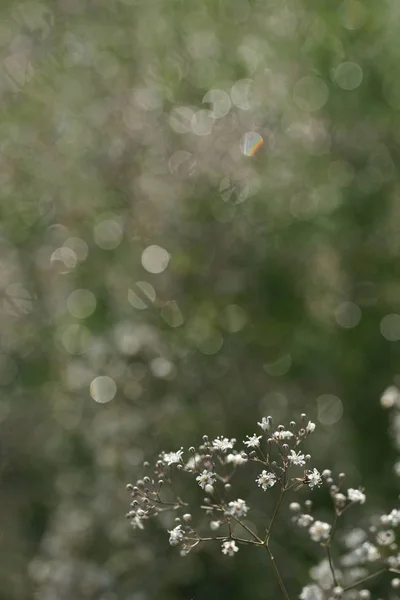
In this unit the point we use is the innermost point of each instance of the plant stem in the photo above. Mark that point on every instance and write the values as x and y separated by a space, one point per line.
274 516
278 575
328 551
371 576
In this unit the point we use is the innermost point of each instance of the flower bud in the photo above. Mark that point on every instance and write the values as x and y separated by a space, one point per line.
214 525
209 489
294 506
187 517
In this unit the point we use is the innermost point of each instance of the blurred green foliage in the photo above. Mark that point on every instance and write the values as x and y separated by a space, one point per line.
217 287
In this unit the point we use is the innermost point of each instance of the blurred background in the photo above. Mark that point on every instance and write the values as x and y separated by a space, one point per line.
163 276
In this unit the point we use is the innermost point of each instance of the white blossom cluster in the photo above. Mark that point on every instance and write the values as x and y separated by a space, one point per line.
281 468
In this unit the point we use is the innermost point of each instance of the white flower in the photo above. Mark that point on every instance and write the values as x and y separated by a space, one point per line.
311 592
172 457
385 538
310 427
206 478
319 531
214 525
282 435
394 517
368 552
266 480
296 458
313 478
236 459
390 397
394 561
137 522
229 548
176 535
223 444
253 441
237 508
193 462
356 495
304 520
264 424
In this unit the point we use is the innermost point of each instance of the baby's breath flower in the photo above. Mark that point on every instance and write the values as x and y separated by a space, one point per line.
320 531
223 444
296 458
311 592
137 522
392 518
253 441
390 397
310 427
356 495
313 478
236 459
237 508
385 538
176 535
206 478
266 480
304 520
264 424
229 548
171 458
294 507
214 525
282 435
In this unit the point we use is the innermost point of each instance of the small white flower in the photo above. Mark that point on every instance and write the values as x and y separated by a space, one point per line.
394 517
237 508
296 458
176 535
264 424
311 592
319 531
356 495
171 458
223 444
294 507
236 459
313 478
206 478
283 435
266 480
229 548
390 397
310 427
137 522
368 552
214 525
340 499
394 561
304 520
253 441
385 538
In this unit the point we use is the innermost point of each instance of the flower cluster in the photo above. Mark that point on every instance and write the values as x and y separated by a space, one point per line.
281 468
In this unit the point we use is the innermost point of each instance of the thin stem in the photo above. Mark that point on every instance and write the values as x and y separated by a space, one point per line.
360 581
278 575
274 515
248 529
328 551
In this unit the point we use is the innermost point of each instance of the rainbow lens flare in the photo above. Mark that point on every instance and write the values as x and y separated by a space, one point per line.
250 143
